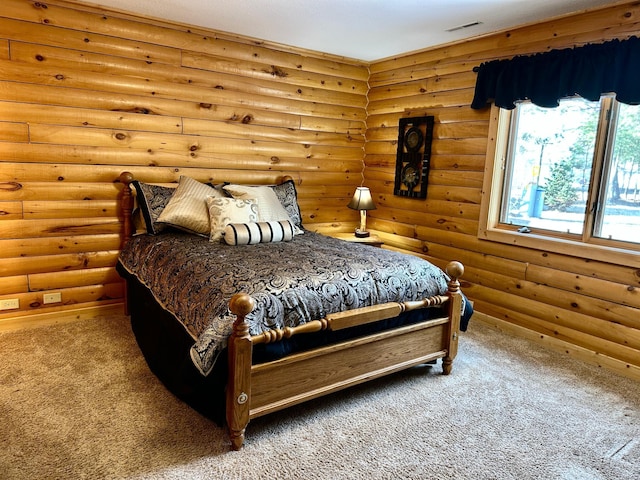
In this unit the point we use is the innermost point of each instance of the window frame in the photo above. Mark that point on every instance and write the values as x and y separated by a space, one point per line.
490 229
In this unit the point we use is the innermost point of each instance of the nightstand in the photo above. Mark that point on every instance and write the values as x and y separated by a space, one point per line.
373 240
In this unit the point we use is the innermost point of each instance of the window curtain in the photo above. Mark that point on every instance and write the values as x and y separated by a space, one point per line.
544 78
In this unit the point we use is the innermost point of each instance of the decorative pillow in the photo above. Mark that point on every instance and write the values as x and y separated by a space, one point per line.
187 210
219 187
258 232
139 225
269 207
286 193
152 199
225 210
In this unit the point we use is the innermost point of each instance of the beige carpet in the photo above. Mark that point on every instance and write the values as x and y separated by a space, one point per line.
77 401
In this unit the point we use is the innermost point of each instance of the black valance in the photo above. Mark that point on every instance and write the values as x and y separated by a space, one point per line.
544 78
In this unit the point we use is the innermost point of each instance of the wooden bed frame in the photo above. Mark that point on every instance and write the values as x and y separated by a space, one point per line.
255 390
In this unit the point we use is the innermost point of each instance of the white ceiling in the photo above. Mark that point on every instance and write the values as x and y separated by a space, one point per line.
360 29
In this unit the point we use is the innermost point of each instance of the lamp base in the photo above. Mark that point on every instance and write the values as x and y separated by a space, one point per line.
362 233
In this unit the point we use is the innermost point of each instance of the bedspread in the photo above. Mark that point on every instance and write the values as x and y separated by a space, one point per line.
291 282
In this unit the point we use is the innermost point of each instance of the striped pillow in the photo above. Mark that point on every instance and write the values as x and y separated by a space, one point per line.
187 209
258 232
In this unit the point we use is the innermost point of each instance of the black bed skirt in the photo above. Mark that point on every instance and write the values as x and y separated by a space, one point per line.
165 345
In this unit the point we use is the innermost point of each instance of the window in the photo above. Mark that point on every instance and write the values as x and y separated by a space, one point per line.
565 175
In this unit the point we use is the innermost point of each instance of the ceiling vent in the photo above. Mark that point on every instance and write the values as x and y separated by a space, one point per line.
461 27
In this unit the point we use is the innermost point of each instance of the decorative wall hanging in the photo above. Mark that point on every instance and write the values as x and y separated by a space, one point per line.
413 157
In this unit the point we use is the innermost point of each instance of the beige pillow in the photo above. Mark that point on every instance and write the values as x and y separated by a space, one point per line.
187 209
269 207
225 210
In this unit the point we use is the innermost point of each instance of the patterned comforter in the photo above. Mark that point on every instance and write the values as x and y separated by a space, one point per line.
291 282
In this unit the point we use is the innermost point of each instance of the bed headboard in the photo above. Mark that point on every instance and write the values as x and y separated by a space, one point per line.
128 201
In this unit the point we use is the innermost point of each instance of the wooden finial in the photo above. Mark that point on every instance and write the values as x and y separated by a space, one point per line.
455 270
241 304
126 178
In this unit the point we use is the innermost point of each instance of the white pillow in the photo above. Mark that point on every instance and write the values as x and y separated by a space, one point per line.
225 210
187 208
269 207
258 232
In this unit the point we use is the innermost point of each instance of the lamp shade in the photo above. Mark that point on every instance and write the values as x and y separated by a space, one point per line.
362 200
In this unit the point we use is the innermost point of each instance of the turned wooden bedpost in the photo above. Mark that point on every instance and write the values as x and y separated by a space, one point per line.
126 207
239 382
455 270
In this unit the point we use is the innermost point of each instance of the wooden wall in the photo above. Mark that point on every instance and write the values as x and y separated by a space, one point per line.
585 308
86 94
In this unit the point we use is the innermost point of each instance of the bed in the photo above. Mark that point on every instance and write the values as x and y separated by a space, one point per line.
241 312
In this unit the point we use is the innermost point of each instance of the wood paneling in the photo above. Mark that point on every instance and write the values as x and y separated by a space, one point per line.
86 94
590 307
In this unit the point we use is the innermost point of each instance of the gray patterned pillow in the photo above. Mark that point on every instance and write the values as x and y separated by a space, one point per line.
288 196
151 200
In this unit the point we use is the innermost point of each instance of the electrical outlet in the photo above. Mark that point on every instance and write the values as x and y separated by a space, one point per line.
52 298
9 304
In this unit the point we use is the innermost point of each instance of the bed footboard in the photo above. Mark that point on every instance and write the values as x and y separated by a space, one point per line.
255 390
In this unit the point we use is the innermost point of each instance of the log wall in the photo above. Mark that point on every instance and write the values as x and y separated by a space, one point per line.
585 308
86 94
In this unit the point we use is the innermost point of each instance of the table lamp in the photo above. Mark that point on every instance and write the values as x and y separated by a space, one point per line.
362 201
